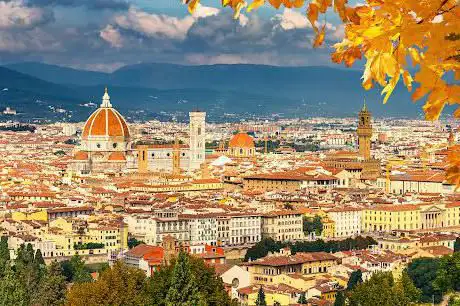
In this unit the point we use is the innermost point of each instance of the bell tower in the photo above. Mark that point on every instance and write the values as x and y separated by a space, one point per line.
197 139
364 133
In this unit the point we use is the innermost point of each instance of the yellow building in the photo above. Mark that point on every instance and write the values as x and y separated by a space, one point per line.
411 217
328 228
38 215
283 294
264 270
286 225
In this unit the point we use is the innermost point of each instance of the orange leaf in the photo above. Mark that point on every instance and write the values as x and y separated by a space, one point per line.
312 14
407 78
320 37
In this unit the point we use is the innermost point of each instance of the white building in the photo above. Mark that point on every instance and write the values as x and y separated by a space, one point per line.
347 221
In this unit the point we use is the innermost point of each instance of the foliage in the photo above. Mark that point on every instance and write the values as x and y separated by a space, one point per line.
119 285
395 38
184 287
382 289
302 299
313 226
457 245
59 153
18 128
423 272
339 299
261 298
75 270
88 246
4 254
355 279
52 289
133 242
448 274
209 287
12 292
264 246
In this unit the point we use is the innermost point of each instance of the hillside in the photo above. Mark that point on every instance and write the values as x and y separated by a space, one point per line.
222 90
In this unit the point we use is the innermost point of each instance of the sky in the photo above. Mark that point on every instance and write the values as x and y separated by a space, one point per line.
105 35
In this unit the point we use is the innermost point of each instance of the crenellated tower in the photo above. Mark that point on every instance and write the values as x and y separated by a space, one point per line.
364 133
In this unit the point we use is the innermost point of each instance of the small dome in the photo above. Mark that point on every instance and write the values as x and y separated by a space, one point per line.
241 140
105 121
81 155
117 156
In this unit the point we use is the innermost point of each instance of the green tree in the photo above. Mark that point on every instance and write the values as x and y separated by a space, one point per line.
27 270
448 274
412 294
339 299
4 255
356 278
75 270
184 287
314 225
423 272
38 259
133 242
302 299
52 289
457 245
261 298
119 285
12 291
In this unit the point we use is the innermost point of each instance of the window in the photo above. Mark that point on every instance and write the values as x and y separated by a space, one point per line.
98 145
115 145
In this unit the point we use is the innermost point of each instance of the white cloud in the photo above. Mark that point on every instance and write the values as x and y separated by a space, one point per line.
112 36
16 14
154 25
291 19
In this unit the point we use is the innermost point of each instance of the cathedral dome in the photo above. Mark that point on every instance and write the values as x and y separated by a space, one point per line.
117 156
105 122
80 155
241 140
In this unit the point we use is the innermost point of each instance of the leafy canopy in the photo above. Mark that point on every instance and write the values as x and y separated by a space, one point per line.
394 38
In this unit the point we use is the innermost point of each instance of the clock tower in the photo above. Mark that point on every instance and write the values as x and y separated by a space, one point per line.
364 133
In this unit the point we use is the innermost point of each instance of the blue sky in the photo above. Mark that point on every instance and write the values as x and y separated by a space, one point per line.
108 34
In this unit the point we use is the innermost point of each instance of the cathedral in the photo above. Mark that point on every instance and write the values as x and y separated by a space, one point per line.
107 145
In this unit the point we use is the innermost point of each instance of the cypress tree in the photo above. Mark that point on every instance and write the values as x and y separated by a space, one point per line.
261 298
184 289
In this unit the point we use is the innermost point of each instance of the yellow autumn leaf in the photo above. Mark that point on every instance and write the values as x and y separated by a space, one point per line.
407 78
192 5
388 90
255 5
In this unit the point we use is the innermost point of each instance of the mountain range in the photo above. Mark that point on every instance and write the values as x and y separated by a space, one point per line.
40 90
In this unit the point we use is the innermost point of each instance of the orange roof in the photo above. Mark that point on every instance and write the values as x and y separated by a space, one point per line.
105 121
117 156
241 140
80 155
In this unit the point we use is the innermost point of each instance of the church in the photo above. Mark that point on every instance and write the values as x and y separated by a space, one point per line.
107 146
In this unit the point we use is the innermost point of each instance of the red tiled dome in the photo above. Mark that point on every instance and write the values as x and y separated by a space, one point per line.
117 156
80 155
241 140
105 122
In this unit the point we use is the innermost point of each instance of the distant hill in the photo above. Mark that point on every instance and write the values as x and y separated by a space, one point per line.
60 75
221 89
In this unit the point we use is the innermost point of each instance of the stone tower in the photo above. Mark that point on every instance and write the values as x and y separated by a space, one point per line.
197 139
364 133
176 157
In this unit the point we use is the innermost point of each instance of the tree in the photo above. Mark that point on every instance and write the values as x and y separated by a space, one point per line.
261 298
133 242
411 293
302 299
38 259
457 245
4 254
12 291
27 270
119 285
356 278
276 303
339 299
52 289
448 274
423 272
315 225
380 290
75 271
184 287
395 38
